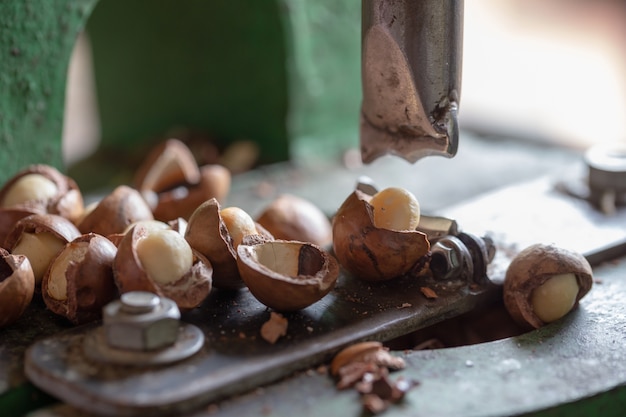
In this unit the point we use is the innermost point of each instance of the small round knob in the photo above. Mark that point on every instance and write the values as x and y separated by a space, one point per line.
607 176
139 302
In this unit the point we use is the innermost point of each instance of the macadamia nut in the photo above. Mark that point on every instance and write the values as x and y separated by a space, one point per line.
165 255
555 297
395 208
57 281
239 224
30 187
543 283
40 249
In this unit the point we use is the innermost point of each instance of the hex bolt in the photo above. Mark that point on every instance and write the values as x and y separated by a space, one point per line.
463 257
450 259
139 302
482 251
141 321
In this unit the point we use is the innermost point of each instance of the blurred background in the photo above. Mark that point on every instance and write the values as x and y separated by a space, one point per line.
282 79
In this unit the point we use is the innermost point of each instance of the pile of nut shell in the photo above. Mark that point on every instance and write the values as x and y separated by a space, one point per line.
166 233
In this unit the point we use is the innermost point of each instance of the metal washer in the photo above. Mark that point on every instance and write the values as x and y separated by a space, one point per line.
190 341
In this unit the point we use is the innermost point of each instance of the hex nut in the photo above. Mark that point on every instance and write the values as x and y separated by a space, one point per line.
450 259
141 321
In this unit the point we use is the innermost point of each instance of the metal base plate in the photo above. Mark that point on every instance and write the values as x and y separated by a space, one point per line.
235 358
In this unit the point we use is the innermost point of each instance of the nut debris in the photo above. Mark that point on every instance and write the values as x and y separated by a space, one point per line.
274 328
428 292
365 367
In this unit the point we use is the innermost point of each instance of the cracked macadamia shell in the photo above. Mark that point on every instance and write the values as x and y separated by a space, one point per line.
207 233
187 292
116 211
17 286
56 229
167 165
290 217
534 266
67 201
181 201
287 275
371 253
79 282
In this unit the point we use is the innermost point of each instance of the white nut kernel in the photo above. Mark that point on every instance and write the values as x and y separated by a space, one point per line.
30 187
165 255
395 208
554 298
149 225
40 249
57 281
239 224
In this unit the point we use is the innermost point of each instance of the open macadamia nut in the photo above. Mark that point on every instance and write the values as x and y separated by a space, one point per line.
290 217
79 282
287 275
42 188
182 200
543 283
167 165
215 233
115 212
17 286
161 261
379 253
40 237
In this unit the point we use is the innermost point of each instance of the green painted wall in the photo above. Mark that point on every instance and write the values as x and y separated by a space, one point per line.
36 41
214 66
284 73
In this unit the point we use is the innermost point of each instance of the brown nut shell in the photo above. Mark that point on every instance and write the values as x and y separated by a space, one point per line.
531 268
370 253
207 233
287 275
187 292
58 226
85 266
68 202
167 165
36 223
10 216
17 286
290 217
115 212
181 201
353 353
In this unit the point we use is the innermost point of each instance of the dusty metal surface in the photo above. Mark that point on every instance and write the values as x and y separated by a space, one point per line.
235 358
575 366
562 363
540 212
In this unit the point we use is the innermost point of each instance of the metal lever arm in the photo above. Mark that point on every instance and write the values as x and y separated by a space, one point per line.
411 75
